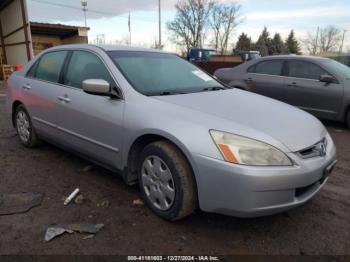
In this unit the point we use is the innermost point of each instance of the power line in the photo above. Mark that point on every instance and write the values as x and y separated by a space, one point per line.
92 11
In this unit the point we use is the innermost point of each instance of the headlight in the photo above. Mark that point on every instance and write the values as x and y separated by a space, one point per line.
245 151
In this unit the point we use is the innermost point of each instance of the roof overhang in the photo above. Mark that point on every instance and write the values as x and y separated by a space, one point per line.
62 31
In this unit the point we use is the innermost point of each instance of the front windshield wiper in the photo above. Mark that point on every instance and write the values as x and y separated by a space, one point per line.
168 93
215 88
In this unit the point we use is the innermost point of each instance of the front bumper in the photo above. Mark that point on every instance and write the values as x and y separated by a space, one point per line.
247 191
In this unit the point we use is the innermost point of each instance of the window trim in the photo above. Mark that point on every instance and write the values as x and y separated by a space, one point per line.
67 64
268 60
311 62
36 65
117 87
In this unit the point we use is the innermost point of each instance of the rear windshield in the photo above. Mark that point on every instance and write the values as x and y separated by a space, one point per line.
152 73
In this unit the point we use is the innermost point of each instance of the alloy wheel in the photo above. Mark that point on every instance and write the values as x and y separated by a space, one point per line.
23 126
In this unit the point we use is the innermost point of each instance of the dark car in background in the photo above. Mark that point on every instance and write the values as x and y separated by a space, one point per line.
318 85
200 54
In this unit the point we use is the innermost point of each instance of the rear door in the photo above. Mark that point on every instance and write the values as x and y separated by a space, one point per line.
90 124
307 92
40 90
265 78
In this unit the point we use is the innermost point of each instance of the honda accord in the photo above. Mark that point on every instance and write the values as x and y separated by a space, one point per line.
161 122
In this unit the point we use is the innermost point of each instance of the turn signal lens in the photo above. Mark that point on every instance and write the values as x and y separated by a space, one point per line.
228 155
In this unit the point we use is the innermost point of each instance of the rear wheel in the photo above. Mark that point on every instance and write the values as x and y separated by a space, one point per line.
166 181
24 127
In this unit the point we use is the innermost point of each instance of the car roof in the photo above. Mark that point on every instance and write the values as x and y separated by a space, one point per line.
302 57
106 48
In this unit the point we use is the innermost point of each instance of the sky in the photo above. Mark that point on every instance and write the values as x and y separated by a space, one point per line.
110 17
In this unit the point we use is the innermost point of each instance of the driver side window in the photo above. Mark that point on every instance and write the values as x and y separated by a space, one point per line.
306 70
85 65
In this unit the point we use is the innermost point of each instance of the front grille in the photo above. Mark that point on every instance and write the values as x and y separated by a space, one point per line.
318 149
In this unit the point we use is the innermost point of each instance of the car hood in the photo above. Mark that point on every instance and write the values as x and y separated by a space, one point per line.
289 125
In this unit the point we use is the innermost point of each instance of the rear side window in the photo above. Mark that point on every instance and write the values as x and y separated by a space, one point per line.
304 69
272 67
85 65
50 65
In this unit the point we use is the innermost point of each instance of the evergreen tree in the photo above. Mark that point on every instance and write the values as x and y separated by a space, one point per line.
263 45
292 44
244 43
277 45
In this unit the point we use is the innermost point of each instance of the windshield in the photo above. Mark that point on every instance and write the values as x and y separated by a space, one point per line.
152 73
341 69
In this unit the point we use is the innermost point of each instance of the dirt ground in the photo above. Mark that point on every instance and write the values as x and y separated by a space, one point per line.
322 226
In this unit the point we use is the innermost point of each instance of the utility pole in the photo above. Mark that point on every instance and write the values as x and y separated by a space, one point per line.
160 24
84 8
342 43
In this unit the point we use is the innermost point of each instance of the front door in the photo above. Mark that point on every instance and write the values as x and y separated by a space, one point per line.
90 124
307 92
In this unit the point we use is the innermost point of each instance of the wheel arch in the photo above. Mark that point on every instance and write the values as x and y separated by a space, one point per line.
133 150
15 104
345 112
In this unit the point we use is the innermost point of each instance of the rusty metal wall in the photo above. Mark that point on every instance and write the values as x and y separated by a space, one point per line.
14 32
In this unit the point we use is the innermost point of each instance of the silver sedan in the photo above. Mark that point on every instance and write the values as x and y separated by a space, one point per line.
161 122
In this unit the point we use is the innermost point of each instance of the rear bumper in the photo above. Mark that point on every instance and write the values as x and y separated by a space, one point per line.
246 191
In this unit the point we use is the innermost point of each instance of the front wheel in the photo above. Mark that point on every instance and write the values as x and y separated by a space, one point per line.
24 127
166 181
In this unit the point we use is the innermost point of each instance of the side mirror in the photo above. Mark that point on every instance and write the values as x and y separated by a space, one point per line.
96 87
326 78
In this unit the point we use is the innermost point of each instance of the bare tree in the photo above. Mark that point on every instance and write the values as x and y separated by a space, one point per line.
190 22
310 43
224 19
327 39
330 38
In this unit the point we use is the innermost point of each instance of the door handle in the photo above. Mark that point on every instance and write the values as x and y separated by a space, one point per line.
249 79
292 84
64 99
26 87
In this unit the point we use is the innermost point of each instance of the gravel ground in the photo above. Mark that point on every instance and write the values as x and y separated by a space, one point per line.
322 226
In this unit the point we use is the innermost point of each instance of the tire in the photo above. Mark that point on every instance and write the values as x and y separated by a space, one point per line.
173 195
25 129
347 118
